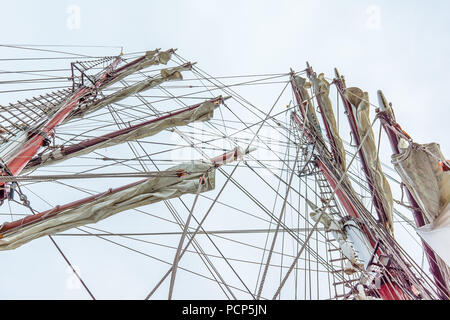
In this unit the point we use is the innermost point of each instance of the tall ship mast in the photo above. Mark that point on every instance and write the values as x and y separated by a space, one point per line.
229 187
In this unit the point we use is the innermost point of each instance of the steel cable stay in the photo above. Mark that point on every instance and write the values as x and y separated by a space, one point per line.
172 210
64 256
267 236
242 101
214 233
209 238
200 232
206 261
196 242
288 230
255 136
251 232
214 203
352 158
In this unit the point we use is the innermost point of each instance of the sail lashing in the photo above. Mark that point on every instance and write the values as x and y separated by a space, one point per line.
165 75
185 178
427 187
309 125
199 112
178 180
379 258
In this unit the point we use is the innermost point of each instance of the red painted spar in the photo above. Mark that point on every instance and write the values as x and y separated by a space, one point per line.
343 197
340 85
30 148
92 142
387 291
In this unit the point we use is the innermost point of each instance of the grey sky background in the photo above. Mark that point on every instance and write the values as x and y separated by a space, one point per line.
401 47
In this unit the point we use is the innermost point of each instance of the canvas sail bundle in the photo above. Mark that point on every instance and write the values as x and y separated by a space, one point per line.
356 250
418 167
322 91
105 205
202 113
165 75
360 101
151 58
311 119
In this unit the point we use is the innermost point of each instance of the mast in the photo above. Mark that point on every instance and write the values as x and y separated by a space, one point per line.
394 285
383 216
353 246
321 90
24 151
341 193
394 131
198 112
188 177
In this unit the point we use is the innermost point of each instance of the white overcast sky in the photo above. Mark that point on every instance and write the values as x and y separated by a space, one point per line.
401 47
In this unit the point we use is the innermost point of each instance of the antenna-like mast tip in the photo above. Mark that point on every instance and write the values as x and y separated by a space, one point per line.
384 105
188 65
336 72
250 149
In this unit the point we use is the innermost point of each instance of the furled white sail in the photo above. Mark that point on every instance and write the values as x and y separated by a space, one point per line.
165 75
149 191
360 101
151 58
437 235
417 165
338 231
202 113
311 120
322 92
